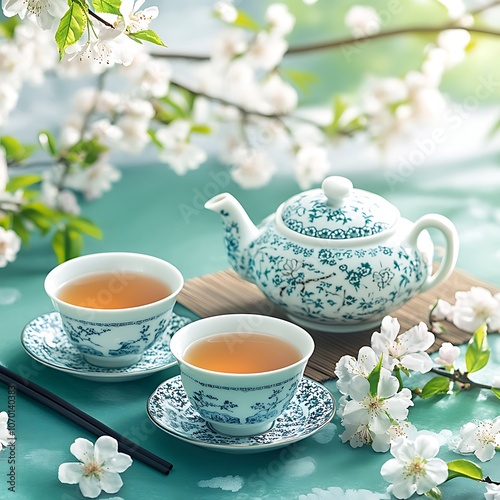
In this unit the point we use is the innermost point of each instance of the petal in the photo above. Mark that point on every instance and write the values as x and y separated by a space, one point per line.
403 449
90 487
486 452
404 488
436 472
359 388
426 446
417 361
106 448
70 472
380 424
390 328
387 386
82 449
392 470
111 482
119 463
354 414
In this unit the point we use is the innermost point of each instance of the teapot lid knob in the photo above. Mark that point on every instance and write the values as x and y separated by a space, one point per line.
336 189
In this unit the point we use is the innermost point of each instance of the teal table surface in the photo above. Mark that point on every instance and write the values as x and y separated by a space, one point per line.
153 211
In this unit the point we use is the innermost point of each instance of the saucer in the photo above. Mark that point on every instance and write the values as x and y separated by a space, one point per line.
312 407
45 341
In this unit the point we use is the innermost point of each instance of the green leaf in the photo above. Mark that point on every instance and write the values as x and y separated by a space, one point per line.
374 377
436 385
478 351
107 6
14 149
19 228
339 107
67 244
86 152
156 142
72 26
464 468
86 226
22 181
496 392
244 20
301 79
40 215
147 36
435 494
8 27
5 222
48 142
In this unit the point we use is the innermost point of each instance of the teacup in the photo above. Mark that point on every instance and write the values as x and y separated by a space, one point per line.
241 404
116 337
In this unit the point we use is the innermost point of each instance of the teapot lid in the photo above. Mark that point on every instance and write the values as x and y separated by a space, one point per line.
338 212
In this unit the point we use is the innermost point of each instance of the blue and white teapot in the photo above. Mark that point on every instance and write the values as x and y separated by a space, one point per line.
336 259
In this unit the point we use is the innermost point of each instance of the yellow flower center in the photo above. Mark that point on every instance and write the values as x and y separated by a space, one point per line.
415 468
92 469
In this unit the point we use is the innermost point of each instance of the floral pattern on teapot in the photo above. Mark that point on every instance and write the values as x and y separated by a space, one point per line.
323 284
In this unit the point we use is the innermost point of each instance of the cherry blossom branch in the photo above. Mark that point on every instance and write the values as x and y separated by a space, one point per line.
333 44
460 377
488 480
251 112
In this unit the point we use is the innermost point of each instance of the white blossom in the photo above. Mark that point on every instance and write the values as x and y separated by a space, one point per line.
448 354
135 19
311 165
280 96
453 43
106 132
98 466
475 307
414 468
362 20
442 310
266 51
63 200
496 382
252 168
367 414
6 437
95 180
478 437
178 151
348 366
8 100
404 350
43 12
279 18
492 492
226 11
228 44
10 244
135 136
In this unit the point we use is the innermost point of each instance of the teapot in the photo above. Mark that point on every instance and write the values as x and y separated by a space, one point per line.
336 259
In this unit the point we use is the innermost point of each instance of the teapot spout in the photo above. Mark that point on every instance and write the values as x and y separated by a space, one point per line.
240 231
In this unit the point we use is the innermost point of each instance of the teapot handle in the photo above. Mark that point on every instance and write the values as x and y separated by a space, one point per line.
449 261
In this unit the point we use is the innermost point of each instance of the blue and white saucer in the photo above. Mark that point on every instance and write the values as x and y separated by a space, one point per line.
44 340
310 410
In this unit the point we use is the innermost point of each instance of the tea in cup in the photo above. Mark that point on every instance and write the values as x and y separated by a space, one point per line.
115 305
240 371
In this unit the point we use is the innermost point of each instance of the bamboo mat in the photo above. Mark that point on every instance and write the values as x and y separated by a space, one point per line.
225 292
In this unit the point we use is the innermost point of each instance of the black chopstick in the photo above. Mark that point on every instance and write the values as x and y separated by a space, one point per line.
84 420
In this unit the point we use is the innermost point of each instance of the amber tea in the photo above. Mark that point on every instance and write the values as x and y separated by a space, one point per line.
113 290
242 353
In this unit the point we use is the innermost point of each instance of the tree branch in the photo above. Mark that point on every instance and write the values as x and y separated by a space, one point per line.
333 44
100 19
458 376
